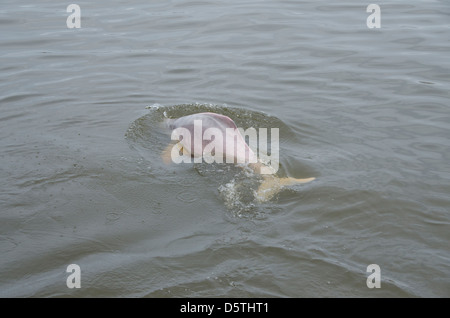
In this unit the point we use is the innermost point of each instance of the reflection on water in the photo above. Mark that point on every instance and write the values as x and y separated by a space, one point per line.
363 110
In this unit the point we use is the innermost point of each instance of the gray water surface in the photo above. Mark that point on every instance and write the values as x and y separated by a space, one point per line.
365 111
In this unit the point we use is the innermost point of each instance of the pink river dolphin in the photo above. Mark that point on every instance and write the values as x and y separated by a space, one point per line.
228 143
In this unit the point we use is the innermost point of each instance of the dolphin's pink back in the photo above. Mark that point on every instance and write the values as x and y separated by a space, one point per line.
220 122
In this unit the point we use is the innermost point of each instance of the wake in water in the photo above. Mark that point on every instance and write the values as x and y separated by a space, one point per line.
256 181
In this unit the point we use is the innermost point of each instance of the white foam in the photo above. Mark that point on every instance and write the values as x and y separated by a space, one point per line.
154 106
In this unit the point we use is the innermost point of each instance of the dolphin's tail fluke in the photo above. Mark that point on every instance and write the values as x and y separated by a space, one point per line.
271 185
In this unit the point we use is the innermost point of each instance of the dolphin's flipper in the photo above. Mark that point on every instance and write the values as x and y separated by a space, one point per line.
166 155
271 185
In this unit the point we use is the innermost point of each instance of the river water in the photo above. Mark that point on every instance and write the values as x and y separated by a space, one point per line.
364 110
